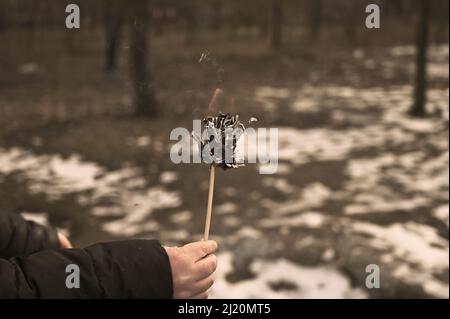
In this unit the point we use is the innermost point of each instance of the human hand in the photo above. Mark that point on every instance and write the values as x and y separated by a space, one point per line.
63 241
192 266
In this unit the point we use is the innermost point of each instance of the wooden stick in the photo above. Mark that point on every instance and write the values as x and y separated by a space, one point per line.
212 174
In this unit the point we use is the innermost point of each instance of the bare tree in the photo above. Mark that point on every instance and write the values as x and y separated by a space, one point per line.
144 98
352 10
276 24
316 19
263 18
217 9
190 17
418 107
3 23
114 21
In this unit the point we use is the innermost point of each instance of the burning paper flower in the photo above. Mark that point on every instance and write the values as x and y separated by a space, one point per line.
222 133
218 147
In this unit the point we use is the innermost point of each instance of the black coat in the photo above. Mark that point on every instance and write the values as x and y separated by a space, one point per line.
33 266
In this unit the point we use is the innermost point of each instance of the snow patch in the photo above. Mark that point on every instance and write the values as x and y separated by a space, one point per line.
305 282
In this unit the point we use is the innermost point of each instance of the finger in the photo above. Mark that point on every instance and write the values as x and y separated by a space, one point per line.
205 267
200 249
203 295
64 242
202 285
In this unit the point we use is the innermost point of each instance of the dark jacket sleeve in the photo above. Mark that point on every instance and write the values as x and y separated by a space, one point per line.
122 269
19 237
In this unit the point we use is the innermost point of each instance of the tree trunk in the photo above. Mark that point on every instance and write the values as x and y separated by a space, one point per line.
263 19
190 16
114 20
276 24
144 99
420 98
352 23
316 19
217 15
2 16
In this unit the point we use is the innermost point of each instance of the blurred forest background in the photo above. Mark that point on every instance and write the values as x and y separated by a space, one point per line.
85 118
